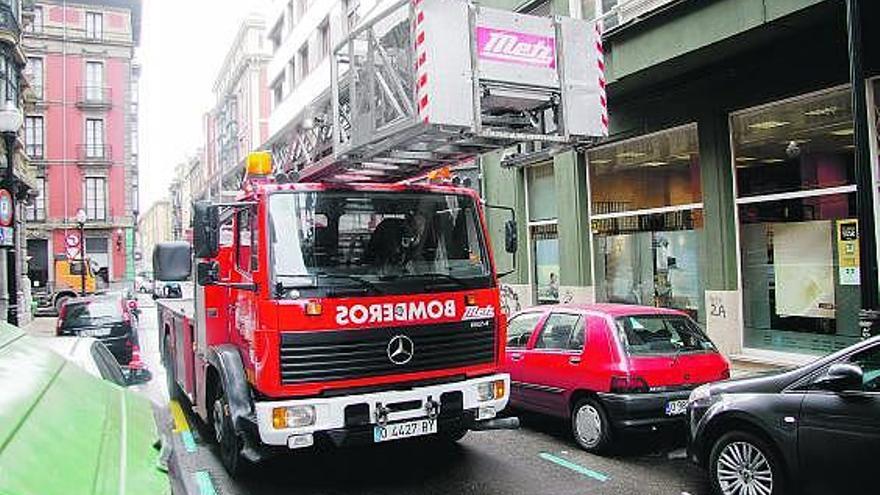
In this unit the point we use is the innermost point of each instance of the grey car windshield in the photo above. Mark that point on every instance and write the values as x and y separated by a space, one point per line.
381 240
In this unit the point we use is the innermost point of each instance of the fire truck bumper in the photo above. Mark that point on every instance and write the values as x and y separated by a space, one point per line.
450 408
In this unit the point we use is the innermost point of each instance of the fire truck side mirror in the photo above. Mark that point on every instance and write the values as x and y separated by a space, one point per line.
207 273
206 229
172 261
511 240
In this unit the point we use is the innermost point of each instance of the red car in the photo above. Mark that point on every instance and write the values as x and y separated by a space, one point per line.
608 367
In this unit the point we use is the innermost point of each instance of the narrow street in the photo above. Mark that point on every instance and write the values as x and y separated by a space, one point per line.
538 458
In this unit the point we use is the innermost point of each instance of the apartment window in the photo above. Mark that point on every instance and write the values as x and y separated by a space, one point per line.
34 132
134 141
350 14
36 212
291 20
94 81
291 73
301 7
303 62
37 25
8 85
95 197
94 25
278 90
324 39
35 74
94 138
275 35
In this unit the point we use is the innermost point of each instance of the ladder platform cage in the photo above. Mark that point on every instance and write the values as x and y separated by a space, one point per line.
428 83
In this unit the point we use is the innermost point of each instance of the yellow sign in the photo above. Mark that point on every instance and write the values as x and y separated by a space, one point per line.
848 251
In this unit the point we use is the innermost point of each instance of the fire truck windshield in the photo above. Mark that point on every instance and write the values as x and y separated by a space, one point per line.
377 241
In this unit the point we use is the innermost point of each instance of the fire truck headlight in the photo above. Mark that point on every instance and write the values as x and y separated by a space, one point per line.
293 417
487 391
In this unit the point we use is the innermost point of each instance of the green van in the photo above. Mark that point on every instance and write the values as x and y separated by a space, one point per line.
64 431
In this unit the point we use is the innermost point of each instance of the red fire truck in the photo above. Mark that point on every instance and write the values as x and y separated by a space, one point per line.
339 299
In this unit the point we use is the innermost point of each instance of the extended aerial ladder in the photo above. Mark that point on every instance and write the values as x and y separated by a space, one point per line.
429 83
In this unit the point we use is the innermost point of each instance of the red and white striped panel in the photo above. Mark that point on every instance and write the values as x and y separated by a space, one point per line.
421 56
600 62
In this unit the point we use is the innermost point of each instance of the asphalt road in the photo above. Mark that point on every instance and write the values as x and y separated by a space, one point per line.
539 458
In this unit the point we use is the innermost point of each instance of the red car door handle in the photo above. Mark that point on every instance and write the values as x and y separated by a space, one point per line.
574 360
516 357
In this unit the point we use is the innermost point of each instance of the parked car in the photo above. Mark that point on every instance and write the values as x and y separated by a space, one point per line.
167 290
814 429
60 428
105 317
93 356
608 368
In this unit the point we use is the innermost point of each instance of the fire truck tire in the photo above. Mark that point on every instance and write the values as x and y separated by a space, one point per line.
228 440
170 378
453 435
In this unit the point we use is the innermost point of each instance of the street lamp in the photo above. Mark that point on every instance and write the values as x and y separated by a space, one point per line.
81 225
10 122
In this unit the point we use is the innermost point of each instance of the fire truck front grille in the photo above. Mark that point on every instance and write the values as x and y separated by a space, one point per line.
346 354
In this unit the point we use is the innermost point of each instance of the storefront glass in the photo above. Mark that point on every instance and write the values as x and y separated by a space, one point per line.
543 233
647 221
795 185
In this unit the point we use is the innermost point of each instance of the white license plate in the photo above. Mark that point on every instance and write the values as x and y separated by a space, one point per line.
676 407
96 332
406 429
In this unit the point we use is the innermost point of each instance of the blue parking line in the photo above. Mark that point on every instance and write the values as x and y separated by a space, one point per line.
203 481
188 441
559 461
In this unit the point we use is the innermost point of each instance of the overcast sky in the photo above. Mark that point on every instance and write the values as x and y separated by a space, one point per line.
183 43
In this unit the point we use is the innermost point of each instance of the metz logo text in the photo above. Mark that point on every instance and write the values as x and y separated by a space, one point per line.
517 48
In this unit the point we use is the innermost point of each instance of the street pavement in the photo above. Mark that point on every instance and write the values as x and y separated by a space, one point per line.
539 458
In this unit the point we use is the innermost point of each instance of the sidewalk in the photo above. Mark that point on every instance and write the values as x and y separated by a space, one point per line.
41 326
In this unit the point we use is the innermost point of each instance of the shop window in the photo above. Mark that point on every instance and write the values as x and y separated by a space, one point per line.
654 171
647 221
797 211
542 193
545 253
801 144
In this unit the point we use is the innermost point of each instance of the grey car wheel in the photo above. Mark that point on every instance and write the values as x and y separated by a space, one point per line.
590 426
743 464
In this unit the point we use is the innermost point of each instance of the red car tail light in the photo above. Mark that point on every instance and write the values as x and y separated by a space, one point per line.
725 373
628 384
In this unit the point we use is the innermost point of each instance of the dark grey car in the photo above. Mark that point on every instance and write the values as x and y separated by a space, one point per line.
813 429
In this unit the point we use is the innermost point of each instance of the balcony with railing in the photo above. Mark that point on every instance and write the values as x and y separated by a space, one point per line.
9 25
616 14
94 154
93 97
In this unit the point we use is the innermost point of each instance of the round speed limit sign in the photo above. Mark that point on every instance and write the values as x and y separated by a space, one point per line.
5 208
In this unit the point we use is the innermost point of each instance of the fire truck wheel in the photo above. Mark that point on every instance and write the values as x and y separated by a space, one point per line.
453 435
227 438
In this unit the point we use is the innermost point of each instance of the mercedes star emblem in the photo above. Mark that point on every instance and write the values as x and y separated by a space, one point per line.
400 349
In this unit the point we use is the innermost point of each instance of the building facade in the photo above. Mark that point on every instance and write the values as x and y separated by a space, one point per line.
17 177
239 121
154 226
301 35
81 133
727 187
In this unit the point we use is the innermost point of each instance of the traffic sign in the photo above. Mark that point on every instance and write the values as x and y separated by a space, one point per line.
5 208
72 240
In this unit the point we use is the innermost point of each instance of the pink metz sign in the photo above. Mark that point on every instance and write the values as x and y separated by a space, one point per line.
501 45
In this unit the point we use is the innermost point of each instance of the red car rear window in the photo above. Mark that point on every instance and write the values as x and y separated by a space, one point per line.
661 334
